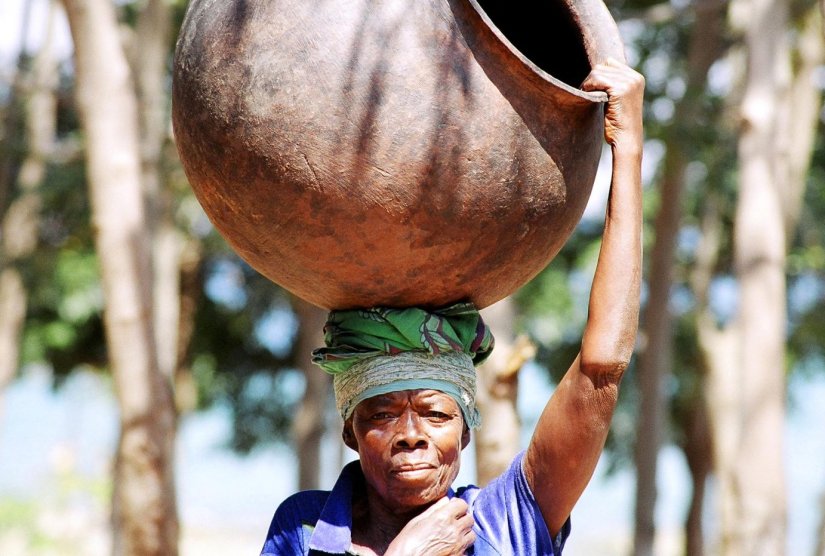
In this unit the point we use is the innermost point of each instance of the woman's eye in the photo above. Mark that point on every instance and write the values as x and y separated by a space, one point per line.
437 415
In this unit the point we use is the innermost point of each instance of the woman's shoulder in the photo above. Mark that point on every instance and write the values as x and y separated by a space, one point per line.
293 523
303 506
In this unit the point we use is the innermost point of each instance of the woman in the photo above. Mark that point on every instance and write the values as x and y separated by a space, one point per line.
405 386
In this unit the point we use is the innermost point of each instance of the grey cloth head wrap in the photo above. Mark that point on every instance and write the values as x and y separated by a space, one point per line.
452 373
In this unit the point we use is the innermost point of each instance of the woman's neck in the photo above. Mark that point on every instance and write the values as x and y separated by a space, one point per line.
374 524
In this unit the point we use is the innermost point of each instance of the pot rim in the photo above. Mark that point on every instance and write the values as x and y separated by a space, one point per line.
595 96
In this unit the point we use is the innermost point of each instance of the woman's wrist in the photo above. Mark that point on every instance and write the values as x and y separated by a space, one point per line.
630 149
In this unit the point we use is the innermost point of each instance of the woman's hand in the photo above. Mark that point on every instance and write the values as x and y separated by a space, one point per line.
625 91
443 529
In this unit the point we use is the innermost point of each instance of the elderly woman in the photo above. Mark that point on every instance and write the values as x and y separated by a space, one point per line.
405 385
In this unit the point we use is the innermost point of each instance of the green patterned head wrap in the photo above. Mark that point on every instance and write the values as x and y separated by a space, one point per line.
375 351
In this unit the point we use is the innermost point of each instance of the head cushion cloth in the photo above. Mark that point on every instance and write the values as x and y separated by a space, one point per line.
380 350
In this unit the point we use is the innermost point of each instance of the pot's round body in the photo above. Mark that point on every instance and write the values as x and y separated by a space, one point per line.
389 152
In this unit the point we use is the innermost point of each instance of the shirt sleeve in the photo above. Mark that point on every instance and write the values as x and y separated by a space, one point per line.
291 525
508 519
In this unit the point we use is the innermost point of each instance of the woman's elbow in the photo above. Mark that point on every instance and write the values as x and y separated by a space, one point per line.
605 367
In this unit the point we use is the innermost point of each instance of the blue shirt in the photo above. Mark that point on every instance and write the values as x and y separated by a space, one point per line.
507 519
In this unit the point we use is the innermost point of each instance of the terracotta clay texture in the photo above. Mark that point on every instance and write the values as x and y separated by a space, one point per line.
392 152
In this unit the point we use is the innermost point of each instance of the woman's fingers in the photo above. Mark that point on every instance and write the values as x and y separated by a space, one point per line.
625 92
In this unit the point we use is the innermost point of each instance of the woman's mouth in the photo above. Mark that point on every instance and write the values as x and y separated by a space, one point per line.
412 468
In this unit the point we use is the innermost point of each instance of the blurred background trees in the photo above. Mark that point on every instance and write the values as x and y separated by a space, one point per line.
735 288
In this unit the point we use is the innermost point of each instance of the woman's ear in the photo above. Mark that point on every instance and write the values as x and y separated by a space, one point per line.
465 437
348 436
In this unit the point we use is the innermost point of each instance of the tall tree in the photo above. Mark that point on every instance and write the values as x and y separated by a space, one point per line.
820 534
150 51
759 262
309 424
656 359
19 233
144 512
499 439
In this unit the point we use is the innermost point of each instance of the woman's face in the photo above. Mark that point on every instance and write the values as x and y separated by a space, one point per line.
409 443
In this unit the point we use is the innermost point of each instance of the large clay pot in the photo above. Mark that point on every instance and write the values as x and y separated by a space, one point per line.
392 152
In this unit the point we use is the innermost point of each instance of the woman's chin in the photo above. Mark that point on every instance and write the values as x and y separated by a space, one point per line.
411 495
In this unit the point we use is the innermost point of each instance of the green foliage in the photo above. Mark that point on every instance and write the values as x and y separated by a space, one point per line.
806 271
554 304
30 522
232 363
16 513
63 324
264 403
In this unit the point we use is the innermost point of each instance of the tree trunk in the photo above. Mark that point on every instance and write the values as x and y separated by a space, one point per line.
798 127
12 117
820 535
191 290
150 57
143 507
499 438
774 158
759 263
656 359
698 450
719 352
309 425
20 222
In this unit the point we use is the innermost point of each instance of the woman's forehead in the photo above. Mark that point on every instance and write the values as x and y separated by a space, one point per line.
403 396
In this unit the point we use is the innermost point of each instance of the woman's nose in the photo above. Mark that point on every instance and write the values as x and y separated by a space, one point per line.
410 432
